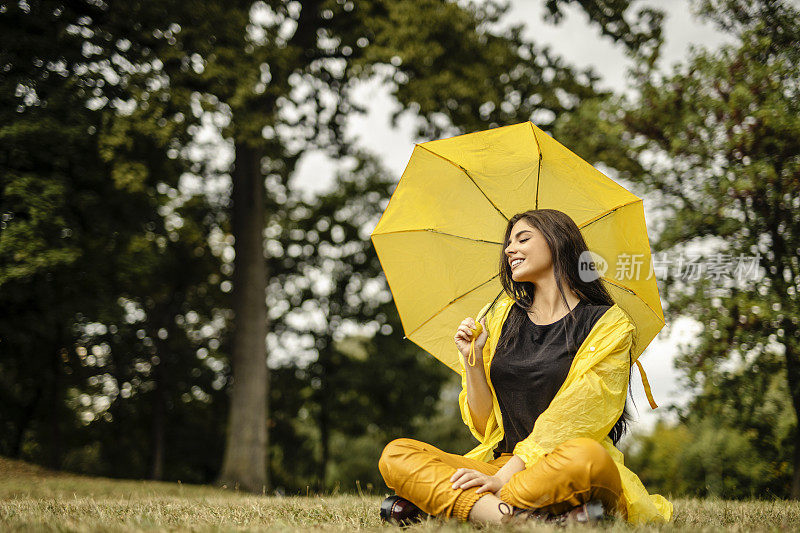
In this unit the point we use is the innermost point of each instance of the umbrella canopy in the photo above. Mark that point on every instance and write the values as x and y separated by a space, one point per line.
439 240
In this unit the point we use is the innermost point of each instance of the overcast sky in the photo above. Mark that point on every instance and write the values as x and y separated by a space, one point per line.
583 46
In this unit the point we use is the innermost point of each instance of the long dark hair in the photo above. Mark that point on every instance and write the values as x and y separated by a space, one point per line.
566 245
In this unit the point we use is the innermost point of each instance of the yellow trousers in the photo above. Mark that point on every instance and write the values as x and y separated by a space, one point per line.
575 472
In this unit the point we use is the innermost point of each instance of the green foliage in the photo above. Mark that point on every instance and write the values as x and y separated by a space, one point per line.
95 370
641 36
718 141
115 342
449 64
356 391
736 443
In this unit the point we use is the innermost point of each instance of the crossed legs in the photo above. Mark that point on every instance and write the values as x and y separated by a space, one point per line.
574 473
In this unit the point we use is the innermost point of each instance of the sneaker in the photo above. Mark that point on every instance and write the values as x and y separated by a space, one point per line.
588 513
401 512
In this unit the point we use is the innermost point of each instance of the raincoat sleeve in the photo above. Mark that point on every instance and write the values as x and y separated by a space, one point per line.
591 399
466 412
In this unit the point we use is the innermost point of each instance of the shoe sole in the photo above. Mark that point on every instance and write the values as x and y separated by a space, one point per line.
594 513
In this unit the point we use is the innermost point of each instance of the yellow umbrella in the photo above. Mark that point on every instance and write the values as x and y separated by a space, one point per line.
440 236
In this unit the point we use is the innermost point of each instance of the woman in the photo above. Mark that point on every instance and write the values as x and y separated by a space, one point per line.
544 386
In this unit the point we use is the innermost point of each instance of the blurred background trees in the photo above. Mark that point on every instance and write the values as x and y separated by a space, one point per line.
717 140
728 126
142 271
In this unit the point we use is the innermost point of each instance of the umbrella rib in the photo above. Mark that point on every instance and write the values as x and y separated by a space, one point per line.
626 289
617 285
438 233
603 215
499 294
470 179
454 300
539 166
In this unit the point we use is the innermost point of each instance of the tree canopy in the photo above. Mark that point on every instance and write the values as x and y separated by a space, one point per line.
145 317
718 140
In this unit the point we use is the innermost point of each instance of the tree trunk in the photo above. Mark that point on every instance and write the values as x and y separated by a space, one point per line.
793 378
795 493
324 362
55 413
324 437
244 464
157 439
24 420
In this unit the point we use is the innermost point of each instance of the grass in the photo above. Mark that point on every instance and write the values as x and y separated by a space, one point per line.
35 499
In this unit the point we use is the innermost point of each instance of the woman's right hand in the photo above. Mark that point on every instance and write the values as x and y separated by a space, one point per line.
464 337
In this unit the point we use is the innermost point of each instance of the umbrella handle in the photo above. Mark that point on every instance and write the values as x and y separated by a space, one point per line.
472 359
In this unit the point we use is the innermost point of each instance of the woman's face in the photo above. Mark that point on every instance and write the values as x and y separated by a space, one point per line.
527 243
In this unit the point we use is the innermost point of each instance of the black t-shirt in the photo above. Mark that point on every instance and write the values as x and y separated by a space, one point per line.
528 373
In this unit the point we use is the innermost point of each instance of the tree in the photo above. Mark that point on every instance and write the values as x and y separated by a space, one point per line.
95 110
62 214
285 70
90 164
353 384
718 139
735 443
484 78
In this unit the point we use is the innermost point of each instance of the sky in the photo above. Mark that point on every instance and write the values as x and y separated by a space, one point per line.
582 46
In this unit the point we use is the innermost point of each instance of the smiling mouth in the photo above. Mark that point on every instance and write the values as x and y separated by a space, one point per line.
515 265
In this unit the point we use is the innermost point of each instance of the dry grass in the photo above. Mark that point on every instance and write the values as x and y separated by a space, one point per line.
32 498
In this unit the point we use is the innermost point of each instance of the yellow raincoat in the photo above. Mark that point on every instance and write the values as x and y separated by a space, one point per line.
588 404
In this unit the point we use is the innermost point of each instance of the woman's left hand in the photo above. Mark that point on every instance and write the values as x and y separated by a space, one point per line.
465 478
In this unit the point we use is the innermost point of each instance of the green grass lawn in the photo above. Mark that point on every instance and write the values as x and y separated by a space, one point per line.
35 499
